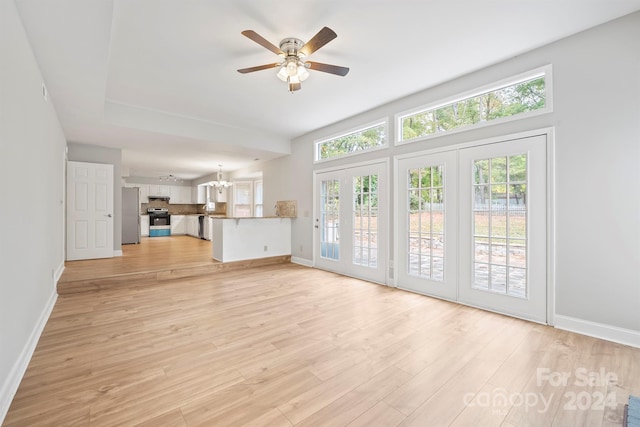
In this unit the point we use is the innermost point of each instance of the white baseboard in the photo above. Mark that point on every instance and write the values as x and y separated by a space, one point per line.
58 273
598 330
10 386
302 261
117 253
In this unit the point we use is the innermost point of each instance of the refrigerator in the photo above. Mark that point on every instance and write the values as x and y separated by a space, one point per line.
130 215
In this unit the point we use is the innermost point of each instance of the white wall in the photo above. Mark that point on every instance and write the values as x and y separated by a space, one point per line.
596 85
32 148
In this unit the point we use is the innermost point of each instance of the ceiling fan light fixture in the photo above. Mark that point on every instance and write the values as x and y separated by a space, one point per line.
302 72
292 68
282 74
293 71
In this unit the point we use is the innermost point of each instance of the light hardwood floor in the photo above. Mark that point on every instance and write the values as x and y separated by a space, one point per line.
154 260
152 254
289 345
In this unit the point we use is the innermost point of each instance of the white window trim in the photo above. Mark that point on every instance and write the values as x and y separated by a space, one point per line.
255 203
317 142
250 204
545 71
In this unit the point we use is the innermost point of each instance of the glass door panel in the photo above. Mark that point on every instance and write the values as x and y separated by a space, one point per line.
365 220
500 224
330 219
427 224
503 227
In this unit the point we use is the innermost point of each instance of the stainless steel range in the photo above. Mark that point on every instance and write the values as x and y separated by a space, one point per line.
159 222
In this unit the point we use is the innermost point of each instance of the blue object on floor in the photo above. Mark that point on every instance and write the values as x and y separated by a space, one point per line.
633 412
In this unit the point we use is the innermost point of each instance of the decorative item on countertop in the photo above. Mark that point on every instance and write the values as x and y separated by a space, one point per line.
287 208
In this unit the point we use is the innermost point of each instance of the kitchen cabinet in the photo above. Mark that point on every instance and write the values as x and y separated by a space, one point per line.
199 194
210 228
187 196
180 195
207 228
159 190
144 193
144 225
178 224
192 225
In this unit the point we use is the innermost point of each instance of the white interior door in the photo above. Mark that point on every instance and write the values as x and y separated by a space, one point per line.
503 227
427 224
351 222
89 210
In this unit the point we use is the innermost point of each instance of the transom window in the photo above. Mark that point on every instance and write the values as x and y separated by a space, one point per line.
368 138
517 96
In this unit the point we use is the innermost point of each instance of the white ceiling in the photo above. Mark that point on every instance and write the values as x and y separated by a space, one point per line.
158 78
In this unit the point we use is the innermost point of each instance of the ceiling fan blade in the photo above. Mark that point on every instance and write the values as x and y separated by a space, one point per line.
328 68
258 68
294 86
324 36
262 41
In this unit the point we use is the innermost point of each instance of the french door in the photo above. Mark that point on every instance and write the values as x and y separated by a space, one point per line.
351 221
428 250
503 227
472 226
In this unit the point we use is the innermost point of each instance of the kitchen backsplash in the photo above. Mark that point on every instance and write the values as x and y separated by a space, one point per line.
174 209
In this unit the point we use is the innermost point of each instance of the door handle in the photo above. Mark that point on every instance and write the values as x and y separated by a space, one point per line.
108 215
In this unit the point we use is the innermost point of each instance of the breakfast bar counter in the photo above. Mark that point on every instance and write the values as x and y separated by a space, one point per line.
237 239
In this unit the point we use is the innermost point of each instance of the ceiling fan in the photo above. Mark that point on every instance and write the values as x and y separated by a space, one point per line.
293 68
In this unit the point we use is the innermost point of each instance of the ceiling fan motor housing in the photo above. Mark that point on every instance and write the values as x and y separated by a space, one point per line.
291 46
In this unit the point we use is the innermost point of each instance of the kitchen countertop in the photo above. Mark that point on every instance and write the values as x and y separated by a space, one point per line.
254 217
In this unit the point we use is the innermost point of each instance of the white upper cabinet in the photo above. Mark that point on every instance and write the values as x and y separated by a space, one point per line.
199 194
144 193
177 194
159 190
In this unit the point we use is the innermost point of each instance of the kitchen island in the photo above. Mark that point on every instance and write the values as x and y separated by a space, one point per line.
237 239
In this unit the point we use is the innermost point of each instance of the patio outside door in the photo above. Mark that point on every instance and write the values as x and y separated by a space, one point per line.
472 226
503 227
427 224
351 222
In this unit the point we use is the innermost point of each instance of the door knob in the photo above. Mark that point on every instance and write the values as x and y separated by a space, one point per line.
109 215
